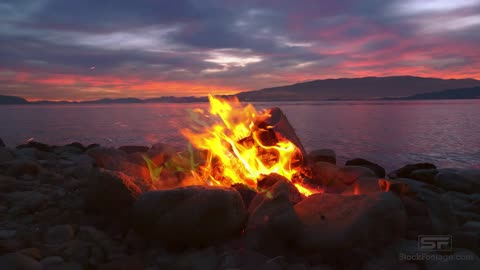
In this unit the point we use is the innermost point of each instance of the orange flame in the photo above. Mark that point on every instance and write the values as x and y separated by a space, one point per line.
236 152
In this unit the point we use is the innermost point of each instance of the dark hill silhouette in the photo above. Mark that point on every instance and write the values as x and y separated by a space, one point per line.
356 88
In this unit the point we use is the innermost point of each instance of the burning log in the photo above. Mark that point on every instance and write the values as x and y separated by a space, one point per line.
245 145
278 128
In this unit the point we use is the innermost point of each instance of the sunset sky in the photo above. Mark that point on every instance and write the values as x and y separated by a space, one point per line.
89 49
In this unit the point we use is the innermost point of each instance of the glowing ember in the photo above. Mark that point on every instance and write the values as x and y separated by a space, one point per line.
239 150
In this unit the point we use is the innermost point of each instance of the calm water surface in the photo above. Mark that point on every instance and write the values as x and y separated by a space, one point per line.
391 133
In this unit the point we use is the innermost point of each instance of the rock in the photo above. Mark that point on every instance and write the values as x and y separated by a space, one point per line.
268 181
377 169
466 239
36 145
126 263
323 155
77 251
405 171
437 201
285 188
20 167
246 192
26 201
349 174
324 173
51 260
471 226
465 216
5 234
79 172
461 259
474 176
43 155
64 266
110 193
108 158
92 145
25 153
366 185
77 145
197 260
424 175
333 223
453 182
2 144
273 224
167 215
91 234
59 234
5 155
394 257
274 264
129 149
81 160
14 261
32 253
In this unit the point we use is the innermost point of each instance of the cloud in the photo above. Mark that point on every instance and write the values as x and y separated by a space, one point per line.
153 48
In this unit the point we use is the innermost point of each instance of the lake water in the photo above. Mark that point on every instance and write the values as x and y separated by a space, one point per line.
391 133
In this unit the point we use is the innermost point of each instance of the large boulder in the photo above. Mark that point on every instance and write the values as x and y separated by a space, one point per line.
189 216
323 155
377 169
338 223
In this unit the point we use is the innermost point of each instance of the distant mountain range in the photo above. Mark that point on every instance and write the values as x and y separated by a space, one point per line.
357 88
368 88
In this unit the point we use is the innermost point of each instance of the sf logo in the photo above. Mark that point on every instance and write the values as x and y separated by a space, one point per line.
435 242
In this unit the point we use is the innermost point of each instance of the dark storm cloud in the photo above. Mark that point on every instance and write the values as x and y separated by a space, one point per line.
231 45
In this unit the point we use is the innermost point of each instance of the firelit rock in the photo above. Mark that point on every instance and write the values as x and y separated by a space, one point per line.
189 216
336 223
436 200
377 169
323 155
110 193
108 158
129 149
273 224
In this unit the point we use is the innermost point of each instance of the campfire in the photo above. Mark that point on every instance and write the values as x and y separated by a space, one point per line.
243 146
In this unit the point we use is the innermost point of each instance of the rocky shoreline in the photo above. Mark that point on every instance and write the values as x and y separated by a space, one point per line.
90 207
